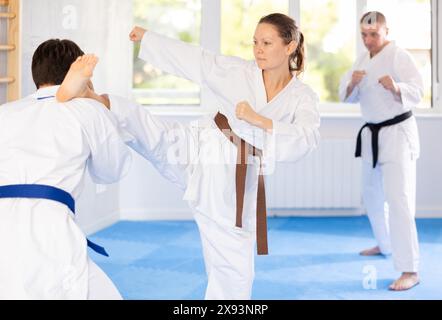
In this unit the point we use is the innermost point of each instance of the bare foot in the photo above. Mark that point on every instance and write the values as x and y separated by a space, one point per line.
375 251
77 81
406 281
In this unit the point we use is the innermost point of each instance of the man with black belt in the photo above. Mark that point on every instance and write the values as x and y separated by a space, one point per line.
386 83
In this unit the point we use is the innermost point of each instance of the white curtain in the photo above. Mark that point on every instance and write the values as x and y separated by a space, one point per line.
100 27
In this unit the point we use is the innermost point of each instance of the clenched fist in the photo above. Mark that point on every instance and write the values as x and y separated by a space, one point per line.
245 112
357 77
137 34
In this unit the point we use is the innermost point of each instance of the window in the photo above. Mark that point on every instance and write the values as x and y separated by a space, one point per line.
330 27
177 19
330 44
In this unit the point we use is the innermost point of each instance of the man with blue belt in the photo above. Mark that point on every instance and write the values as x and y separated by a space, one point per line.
386 83
45 148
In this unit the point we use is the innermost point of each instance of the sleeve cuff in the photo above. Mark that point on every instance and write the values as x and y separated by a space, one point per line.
141 53
120 110
408 99
353 97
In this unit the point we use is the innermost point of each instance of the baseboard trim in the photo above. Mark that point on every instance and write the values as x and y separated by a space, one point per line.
430 213
343 212
137 214
186 214
140 214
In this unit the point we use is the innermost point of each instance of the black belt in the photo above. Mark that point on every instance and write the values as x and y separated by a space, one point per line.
375 128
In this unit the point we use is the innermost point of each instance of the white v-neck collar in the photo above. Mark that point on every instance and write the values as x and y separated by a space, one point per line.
382 52
262 90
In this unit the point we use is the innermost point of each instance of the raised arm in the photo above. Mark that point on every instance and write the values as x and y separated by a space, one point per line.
221 74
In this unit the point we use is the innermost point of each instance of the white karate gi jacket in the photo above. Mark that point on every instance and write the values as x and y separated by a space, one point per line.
208 175
379 104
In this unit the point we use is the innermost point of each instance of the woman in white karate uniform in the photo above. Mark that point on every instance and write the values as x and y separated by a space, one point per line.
266 105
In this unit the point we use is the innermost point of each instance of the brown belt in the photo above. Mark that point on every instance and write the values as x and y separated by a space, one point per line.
241 173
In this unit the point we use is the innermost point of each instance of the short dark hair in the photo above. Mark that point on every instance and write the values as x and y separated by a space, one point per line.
52 59
373 17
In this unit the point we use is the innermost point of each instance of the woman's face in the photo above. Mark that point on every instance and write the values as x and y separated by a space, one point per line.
269 49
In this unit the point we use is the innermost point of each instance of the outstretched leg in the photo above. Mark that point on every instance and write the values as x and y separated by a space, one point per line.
229 260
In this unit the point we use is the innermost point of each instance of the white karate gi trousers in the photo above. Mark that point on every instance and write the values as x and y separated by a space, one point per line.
100 286
229 259
393 225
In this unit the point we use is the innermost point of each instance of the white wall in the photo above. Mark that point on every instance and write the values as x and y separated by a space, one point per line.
97 26
164 199
429 169
97 207
101 26
144 194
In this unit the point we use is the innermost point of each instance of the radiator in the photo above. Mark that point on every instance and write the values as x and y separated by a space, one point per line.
329 177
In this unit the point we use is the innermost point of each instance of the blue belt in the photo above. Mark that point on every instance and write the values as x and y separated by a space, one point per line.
38 191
